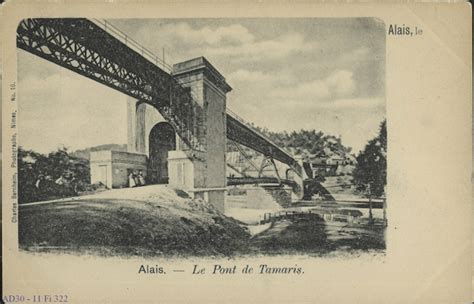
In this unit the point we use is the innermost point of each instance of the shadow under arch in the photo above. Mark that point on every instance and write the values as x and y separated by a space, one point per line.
162 139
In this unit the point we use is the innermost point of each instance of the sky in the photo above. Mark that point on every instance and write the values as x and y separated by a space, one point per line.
287 74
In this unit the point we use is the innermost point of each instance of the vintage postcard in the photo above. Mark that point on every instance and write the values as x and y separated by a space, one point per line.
238 152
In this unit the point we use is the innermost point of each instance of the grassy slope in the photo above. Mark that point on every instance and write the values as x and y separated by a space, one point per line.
156 221
154 225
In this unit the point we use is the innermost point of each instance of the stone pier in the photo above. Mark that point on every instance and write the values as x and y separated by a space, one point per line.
267 197
201 173
205 174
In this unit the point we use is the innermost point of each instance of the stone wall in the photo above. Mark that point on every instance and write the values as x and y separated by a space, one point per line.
268 197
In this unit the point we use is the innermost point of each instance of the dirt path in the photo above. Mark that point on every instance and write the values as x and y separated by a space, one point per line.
155 221
152 223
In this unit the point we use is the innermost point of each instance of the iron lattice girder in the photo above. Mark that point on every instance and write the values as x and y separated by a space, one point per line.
83 47
244 135
235 181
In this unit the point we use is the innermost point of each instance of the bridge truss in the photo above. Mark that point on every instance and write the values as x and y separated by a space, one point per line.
91 49
82 46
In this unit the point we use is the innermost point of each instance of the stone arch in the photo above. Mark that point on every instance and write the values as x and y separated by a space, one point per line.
142 118
162 139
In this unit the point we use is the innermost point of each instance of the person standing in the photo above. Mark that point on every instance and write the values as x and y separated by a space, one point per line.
141 178
132 180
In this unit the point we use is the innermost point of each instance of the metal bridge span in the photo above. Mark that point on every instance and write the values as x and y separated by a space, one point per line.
100 52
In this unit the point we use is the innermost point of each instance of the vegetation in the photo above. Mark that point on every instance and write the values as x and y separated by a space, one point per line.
370 173
166 225
309 140
313 142
162 224
42 177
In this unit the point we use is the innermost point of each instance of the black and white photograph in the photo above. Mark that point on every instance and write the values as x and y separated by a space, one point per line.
236 152
227 137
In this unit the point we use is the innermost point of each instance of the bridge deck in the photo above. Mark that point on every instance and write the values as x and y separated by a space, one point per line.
240 132
88 49
236 181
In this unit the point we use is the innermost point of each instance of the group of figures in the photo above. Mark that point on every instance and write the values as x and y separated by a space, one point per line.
47 187
136 179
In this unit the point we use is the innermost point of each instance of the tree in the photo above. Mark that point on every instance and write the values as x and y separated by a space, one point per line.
311 141
370 173
35 168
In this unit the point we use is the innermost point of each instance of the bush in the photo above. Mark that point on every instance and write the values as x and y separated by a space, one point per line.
37 174
370 173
